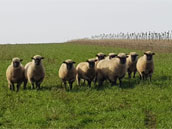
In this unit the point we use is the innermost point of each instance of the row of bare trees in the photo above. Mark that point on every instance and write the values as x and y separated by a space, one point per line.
167 35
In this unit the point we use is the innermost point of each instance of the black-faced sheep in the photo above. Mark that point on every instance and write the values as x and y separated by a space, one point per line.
145 65
86 70
34 71
131 64
67 72
15 73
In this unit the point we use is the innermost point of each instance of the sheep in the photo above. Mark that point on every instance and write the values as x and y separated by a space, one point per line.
110 56
131 64
15 73
67 72
99 56
112 69
35 72
145 65
86 70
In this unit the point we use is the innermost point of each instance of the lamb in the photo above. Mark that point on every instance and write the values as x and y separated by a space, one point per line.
112 69
15 73
131 64
145 65
67 72
110 56
86 70
35 72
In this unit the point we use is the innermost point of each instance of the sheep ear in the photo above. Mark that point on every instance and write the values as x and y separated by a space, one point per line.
97 55
64 62
21 60
126 56
87 61
73 62
145 53
32 58
153 53
42 57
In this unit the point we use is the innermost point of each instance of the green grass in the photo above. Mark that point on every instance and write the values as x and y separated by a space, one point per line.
136 105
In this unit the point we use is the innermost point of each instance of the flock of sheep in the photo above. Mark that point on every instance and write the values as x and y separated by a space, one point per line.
97 70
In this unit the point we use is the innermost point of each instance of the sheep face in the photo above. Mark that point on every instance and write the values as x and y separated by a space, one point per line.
37 59
16 62
91 64
69 65
122 60
149 55
133 58
101 57
122 57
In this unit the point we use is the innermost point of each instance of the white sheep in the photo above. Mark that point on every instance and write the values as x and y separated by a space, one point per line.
35 72
112 69
131 64
67 72
145 65
15 73
86 71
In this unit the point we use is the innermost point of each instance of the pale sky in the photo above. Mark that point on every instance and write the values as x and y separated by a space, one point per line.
24 21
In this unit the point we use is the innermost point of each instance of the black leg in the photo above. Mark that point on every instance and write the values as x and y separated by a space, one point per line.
89 84
25 83
38 85
70 83
18 87
33 87
134 74
129 74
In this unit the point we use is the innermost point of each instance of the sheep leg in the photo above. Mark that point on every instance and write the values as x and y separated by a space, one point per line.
140 77
13 87
129 74
134 74
33 87
70 84
89 83
18 86
10 86
150 76
25 83
38 85
95 80
143 75
79 81
84 82
120 80
65 85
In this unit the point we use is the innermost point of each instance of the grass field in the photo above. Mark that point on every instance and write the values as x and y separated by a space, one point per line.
135 105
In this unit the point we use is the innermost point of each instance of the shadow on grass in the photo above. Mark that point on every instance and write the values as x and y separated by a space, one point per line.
126 84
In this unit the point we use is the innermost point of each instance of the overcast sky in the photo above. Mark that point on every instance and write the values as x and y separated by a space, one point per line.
23 21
